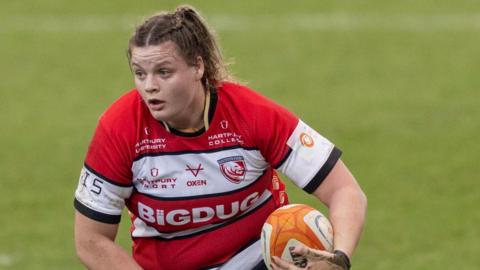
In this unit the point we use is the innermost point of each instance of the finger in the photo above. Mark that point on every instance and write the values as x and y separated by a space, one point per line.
279 264
324 265
312 254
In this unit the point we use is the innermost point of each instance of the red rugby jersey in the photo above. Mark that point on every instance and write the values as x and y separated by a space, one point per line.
198 201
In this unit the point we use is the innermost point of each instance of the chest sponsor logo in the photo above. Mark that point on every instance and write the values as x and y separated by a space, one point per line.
223 138
233 168
202 214
161 183
224 124
154 172
146 145
195 170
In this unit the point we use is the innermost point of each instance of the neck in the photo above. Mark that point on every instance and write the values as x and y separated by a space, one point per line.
197 117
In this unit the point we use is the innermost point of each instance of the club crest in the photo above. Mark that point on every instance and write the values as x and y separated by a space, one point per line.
233 168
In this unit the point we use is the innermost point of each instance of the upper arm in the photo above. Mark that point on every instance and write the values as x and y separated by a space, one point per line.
339 179
101 191
96 247
86 226
89 232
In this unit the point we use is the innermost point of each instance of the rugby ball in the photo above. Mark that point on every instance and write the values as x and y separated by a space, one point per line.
292 224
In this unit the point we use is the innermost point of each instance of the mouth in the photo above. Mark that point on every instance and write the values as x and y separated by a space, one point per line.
155 104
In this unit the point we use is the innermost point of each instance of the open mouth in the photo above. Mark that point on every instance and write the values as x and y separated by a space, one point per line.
155 104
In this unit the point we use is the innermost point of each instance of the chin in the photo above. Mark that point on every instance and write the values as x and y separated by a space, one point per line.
159 116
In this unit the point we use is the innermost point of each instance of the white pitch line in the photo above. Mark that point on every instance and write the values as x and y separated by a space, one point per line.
349 22
241 23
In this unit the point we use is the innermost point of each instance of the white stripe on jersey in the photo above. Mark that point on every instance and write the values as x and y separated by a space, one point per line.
100 195
194 174
141 229
310 151
246 259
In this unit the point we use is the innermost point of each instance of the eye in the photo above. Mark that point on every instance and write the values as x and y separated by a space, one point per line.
164 72
139 74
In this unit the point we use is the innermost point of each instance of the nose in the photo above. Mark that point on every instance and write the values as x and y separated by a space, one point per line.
150 84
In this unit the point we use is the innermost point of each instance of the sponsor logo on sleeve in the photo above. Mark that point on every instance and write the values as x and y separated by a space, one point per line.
306 140
233 168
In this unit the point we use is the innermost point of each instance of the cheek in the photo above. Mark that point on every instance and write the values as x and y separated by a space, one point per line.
140 90
138 84
178 96
180 88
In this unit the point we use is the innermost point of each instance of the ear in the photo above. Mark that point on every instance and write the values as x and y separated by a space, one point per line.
199 68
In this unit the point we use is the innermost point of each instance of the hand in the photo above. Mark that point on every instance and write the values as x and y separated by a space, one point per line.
313 259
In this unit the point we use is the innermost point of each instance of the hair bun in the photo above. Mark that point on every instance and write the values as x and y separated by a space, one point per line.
185 10
177 21
181 14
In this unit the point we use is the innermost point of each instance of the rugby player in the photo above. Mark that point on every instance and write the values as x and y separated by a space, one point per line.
193 156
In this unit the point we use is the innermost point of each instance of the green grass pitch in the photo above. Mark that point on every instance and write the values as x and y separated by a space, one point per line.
395 84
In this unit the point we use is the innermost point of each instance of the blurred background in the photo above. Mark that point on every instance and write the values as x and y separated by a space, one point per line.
394 84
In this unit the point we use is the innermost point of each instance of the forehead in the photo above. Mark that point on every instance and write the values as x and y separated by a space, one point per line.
155 54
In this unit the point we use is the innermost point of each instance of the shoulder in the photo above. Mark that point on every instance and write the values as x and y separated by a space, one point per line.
241 93
245 97
249 102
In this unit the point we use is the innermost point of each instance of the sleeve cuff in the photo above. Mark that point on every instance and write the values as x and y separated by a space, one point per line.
90 213
324 171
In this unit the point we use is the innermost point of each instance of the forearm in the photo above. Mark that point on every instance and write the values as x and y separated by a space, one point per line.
102 253
96 247
347 214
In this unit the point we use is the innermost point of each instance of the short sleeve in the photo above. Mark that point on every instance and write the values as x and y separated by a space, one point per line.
273 125
294 148
105 179
311 157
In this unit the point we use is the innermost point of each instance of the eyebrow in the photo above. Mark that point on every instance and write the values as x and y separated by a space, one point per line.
161 63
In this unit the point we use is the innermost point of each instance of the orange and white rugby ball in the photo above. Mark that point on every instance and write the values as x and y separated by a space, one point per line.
292 224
